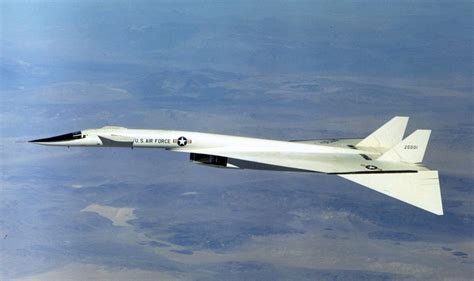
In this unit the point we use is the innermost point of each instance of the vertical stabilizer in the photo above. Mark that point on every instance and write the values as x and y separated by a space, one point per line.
410 150
388 135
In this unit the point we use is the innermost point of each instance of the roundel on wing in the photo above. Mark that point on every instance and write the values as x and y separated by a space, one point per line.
182 141
371 167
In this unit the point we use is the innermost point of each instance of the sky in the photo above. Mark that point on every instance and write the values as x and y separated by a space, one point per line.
269 69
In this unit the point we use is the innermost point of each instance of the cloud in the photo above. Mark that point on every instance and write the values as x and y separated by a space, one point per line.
189 193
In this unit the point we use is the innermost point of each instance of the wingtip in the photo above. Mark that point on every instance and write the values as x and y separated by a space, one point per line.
438 212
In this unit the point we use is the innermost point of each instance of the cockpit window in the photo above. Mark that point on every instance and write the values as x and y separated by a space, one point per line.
76 135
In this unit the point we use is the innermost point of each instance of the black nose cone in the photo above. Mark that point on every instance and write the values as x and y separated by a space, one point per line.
65 137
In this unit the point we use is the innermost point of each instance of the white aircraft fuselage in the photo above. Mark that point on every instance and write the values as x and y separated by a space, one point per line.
382 161
169 139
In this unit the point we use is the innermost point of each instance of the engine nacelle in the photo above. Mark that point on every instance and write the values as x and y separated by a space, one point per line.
211 160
